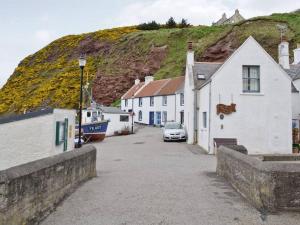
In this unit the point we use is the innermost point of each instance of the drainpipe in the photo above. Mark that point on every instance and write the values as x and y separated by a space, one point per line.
195 117
209 114
175 107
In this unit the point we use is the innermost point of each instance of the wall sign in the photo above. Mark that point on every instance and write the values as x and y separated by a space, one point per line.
226 109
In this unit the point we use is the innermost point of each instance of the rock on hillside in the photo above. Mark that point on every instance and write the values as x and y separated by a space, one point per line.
50 77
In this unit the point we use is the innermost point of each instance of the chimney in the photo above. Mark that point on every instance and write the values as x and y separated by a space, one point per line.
237 12
148 79
297 54
190 54
137 81
283 53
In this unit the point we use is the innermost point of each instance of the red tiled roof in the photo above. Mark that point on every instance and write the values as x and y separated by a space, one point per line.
161 87
172 86
132 90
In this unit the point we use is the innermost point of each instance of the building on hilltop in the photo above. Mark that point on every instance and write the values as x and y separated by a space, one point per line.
237 17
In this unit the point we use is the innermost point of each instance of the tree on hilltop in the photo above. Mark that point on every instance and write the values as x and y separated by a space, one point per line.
171 23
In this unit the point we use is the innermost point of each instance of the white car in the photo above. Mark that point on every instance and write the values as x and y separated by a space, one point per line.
174 132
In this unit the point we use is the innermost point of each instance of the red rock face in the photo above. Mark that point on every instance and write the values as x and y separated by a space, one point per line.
221 50
108 88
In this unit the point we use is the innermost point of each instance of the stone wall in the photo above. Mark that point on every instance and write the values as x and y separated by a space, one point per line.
29 192
268 185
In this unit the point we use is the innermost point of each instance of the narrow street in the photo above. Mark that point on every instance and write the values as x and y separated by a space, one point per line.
144 181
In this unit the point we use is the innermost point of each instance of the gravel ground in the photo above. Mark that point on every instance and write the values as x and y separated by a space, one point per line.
144 181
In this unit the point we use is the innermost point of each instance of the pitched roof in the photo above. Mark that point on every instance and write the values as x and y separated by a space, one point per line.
172 86
131 92
204 68
112 110
13 118
162 87
152 88
294 71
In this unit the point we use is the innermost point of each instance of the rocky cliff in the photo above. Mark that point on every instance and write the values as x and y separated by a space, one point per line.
115 57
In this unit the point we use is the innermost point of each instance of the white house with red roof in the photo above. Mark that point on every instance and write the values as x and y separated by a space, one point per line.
246 100
155 102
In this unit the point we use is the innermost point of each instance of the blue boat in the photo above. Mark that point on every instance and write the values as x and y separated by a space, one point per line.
94 131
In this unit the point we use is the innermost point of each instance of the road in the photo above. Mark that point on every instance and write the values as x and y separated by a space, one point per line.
144 181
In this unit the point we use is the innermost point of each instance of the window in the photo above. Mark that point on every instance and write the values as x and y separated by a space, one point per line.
151 101
140 102
200 76
140 116
181 99
165 116
88 114
251 79
165 100
124 118
126 102
204 117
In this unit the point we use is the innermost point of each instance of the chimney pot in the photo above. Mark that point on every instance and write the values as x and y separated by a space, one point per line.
190 46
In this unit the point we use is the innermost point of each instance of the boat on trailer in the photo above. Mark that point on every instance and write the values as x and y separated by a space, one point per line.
93 125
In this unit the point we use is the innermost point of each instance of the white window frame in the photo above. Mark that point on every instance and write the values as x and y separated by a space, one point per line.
164 100
247 78
204 120
126 102
140 115
151 101
140 102
182 99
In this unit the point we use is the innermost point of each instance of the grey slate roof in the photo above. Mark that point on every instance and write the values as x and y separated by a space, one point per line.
204 68
294 89
294 71
13 118
112 110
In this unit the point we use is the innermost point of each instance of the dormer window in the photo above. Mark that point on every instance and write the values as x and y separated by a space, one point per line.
200 76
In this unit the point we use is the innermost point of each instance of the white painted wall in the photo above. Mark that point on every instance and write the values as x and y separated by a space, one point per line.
204 106
189 116
115 124
178 108
262 122
128 107
31 139
296 101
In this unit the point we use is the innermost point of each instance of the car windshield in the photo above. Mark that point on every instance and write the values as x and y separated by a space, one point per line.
173 126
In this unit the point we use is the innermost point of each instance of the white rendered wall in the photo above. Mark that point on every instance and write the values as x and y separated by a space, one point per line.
262 122
115 124
129 105
61 115
179 108
31 139
203 102
296 101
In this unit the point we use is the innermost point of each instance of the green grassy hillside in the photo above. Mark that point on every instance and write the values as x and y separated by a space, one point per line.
115 57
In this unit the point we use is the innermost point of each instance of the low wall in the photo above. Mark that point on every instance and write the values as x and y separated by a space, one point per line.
29 192
269 185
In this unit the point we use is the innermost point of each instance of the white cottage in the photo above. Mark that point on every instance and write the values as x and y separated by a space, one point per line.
119 120
247 98
35 135
155 102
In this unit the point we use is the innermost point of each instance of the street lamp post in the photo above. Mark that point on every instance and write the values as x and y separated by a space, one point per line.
82 62
132 113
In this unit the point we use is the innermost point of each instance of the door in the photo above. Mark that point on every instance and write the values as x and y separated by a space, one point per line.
158 118
151 118
182 117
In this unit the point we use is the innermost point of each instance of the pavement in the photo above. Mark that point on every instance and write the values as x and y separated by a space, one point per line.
144 181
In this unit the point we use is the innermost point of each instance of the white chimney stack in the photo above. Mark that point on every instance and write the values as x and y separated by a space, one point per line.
148 79
283 54
297 54
137 81
190 58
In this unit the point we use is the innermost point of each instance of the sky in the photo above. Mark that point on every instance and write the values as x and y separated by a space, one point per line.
29 25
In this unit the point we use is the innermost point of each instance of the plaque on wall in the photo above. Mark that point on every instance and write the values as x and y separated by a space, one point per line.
226 109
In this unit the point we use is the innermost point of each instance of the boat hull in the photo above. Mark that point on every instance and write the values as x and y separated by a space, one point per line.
94 131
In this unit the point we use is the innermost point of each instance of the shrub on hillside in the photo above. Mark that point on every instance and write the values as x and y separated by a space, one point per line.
153 25
171 23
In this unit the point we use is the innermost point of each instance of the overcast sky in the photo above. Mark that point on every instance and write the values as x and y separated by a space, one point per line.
27 26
